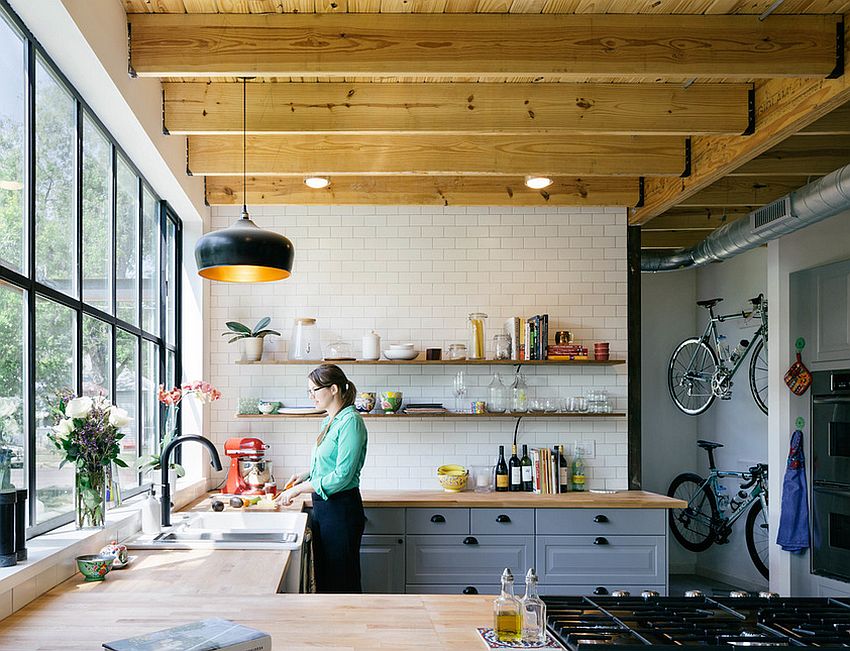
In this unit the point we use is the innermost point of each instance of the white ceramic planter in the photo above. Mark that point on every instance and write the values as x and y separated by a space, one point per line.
252 349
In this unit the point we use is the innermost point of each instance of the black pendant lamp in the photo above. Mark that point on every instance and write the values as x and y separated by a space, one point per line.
244 252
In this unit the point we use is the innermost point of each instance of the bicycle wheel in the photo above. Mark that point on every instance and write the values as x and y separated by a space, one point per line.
692 525
692 366
758 375
758 538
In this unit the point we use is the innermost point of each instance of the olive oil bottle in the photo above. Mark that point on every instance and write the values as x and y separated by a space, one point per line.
506 611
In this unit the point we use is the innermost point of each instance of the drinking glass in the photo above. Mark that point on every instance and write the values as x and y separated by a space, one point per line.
459 391
483 477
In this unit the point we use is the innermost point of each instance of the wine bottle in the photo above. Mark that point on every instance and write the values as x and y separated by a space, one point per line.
564 470
527 470
515 470
502 481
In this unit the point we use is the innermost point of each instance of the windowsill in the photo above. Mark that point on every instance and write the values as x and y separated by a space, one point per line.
51 555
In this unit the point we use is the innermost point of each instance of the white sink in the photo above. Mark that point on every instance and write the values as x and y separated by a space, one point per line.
229 530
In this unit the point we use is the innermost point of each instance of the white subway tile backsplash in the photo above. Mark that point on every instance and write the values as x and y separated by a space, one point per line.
413 274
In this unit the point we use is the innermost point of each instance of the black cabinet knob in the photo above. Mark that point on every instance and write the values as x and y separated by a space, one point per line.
503 518
401 541
470 590
470 540
600 541
436 519
600 518
600 591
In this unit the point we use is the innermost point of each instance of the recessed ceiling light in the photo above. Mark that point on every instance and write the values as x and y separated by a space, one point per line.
317 182
538 182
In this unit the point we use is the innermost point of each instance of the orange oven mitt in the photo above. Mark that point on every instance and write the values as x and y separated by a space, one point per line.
798 378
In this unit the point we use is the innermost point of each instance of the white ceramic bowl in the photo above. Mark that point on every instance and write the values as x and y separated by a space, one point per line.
402 354
401 346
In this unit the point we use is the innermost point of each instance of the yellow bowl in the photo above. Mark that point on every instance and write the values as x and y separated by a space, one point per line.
452 478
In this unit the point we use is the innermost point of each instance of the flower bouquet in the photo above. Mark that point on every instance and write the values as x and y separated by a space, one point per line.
87 434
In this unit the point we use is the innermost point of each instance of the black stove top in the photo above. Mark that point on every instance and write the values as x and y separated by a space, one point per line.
626 623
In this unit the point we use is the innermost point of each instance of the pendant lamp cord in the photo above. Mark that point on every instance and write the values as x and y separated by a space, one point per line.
244 149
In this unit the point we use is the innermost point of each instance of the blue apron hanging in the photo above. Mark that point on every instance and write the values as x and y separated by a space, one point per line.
794 518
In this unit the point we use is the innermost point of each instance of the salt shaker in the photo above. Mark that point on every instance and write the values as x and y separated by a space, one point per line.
372 346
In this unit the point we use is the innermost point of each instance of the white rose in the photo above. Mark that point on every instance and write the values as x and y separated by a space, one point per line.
78 407
118 417
8 407
64 427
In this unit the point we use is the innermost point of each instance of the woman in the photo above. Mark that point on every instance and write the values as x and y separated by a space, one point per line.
334 480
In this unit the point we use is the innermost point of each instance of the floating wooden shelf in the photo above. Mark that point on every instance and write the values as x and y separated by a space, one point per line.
445 362
452 414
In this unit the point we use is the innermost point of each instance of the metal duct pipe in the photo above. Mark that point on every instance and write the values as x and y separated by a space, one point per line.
812 203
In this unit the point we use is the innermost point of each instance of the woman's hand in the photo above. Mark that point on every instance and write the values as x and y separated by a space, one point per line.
286 497
293 481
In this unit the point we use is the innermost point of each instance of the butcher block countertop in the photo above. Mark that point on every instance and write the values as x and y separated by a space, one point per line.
584 500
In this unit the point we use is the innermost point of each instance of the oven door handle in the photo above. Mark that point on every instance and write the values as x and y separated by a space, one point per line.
842 491
828 400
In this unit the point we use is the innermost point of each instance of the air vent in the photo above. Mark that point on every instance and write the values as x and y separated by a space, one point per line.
768 214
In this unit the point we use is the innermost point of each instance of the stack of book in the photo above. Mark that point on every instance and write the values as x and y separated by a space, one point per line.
424 408
529 337
567 351
546 471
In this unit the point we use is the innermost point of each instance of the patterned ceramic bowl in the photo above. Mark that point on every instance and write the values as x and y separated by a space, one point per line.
390 401
94 566
364 402
117 551
452 478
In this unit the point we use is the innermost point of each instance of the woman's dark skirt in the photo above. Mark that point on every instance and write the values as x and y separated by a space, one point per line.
337 527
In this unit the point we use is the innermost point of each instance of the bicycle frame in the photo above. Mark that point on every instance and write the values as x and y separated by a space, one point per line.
711 329
757 492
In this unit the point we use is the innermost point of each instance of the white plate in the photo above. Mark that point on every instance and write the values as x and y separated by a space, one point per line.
300 411
401 354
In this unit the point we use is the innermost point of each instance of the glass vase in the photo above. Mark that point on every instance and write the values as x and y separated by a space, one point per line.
90 497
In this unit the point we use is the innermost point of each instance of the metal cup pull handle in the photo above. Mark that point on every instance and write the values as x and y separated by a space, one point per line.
470 590
600 591
503 518
470 540
600 541
437 519
600 519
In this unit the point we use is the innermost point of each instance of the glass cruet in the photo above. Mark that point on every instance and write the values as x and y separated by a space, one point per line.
533 612
519 393
506 611
497 395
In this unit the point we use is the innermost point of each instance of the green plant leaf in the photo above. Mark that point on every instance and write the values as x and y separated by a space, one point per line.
238 327
236 338
181 472
264 333
262 323
121 463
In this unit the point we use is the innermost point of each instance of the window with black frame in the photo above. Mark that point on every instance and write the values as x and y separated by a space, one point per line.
89 280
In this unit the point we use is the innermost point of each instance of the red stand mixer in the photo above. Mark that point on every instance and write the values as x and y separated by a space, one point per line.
249 469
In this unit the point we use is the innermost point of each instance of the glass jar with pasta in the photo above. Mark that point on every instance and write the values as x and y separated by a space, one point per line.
476 335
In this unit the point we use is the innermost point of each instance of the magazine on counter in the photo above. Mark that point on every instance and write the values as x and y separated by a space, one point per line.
213 634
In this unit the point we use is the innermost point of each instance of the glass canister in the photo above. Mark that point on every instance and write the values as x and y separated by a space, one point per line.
497 395
519 393
476 335
457 351
501 346
305 342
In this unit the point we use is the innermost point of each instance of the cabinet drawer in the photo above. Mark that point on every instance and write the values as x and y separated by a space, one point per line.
500 521
597 590
460 588
384 521
601 522
602 560
466 559
437 521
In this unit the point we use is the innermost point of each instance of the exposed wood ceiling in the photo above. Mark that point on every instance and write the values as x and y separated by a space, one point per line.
689 113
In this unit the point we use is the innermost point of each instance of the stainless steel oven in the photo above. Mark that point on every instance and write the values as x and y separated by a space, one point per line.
831 473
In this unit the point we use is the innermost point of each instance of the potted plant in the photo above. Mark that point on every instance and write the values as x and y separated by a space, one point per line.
203 392
252 338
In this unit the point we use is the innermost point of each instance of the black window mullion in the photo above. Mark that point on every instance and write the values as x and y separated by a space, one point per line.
78 206
29 180
113 216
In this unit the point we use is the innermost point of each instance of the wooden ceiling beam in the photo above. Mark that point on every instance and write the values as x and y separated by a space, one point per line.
836 122
782 108
578 47
672 239
340 108
744 192
694 219
427 190
438 155
806 156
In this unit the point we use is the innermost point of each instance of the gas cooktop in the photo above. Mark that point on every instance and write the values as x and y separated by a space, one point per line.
627 623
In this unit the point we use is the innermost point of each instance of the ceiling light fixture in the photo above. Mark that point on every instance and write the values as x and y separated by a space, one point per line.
243 252
538 182
317 182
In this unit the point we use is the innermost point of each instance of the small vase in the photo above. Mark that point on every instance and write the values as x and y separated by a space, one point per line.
252 349
90 497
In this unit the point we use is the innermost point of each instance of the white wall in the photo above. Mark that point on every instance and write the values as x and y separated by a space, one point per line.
668 436
414 274
822 243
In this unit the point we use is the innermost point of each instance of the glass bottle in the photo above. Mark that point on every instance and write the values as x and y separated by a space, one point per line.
502 477
305 342
501 346
527 470
563 470
476 335
506 611
515 470
578 469
497 394
519 393
533 612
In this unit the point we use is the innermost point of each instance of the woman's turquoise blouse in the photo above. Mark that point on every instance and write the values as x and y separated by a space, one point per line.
335 464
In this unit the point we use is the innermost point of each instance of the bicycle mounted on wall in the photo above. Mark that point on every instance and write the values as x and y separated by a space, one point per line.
701 368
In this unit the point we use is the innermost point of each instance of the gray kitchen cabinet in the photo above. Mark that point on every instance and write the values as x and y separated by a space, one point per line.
382 564
437 521
466 559
601 522
502 521
384 521
597 589
821 297
477 588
